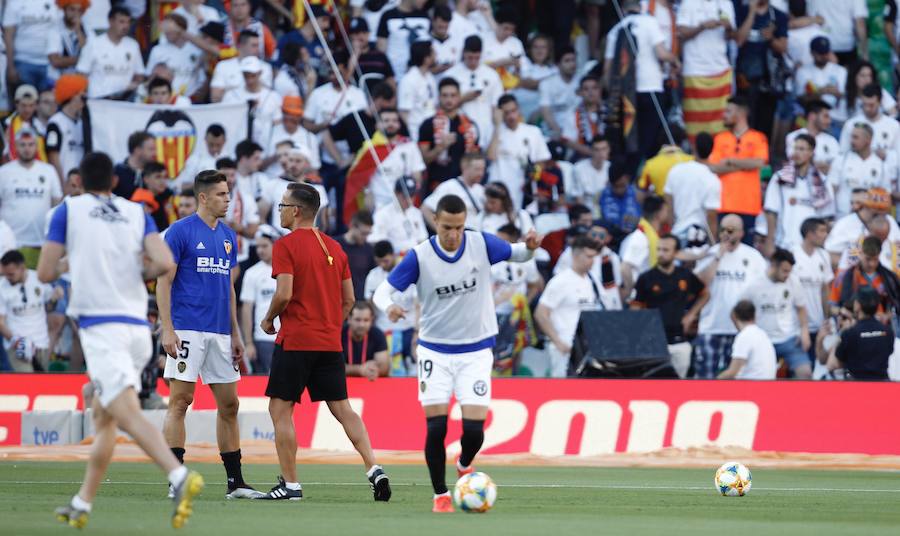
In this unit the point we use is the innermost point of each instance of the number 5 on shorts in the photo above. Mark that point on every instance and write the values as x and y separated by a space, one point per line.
185 350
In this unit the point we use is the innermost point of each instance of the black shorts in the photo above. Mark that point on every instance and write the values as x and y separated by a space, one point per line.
293 371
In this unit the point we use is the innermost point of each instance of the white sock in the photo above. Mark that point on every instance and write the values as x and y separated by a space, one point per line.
293 486
372 470
436 495
80 504
177 476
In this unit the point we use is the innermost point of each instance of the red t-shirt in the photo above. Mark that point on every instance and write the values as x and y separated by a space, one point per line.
312 319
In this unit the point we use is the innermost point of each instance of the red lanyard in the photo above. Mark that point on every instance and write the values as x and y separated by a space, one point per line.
365 346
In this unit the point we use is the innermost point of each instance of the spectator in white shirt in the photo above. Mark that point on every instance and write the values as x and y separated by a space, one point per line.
885 129
27 26
291 129
65 131
812 271
727 271
591 175
404 160
204 156
265 104
502 49
257 290
401 223
113 62
467 186
400 334
398 28
818 125
23 314
159 89
499 210
752 355
514 147
196 13
179 55
67 38
821 79
480 86
796 192
29 188
558 94
228 75
533 69
860 168
567 294
447 49
296 169
607 269
649 59
845 24
417 91
694 192
782 314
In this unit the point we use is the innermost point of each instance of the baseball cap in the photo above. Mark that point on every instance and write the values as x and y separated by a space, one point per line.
406 185
26 91
878 199
292 105
26 131
820 45
251 64
358 25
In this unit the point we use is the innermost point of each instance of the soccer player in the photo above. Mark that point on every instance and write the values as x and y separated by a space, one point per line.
103 238
313 296
200 334
452 274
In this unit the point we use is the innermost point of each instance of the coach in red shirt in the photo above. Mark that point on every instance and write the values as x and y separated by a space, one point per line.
313 295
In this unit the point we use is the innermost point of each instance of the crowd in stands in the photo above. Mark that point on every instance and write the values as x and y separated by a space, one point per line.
734 164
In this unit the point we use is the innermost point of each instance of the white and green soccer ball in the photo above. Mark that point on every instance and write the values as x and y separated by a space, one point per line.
475 492
733 479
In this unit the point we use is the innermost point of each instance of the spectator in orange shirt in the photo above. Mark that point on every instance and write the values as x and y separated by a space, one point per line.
737 156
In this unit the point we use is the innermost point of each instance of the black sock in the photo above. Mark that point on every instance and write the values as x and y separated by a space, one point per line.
179 453
436 453
471 440
232 461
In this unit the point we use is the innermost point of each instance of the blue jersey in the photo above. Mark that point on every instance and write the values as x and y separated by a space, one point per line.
201 291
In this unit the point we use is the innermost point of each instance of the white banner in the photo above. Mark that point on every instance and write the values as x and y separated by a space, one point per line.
179 131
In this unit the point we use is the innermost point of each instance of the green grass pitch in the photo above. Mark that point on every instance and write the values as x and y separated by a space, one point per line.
532 500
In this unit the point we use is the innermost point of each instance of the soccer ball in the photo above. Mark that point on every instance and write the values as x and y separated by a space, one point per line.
733 479
475 492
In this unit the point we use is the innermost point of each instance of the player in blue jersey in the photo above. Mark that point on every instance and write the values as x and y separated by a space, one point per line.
104 240
452 274
200 334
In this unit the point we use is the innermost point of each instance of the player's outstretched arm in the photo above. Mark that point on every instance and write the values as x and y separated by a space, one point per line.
382 299
157 257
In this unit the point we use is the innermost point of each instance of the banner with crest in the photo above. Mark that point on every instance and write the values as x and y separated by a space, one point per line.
179 131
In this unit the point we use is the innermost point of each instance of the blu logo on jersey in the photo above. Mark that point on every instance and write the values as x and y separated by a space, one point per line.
456 289
212 265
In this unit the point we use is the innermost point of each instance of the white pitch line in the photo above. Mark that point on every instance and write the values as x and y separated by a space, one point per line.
525 486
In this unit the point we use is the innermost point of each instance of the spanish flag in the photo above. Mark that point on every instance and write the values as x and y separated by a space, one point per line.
361 171
299 10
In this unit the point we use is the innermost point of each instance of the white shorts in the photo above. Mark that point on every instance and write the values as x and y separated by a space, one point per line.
466 376
115 355
207 355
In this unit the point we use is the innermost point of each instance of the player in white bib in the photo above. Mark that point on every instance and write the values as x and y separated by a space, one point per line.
111 247
452 274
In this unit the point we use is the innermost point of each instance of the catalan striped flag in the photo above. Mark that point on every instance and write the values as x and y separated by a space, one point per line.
361 171
173 152
704 102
